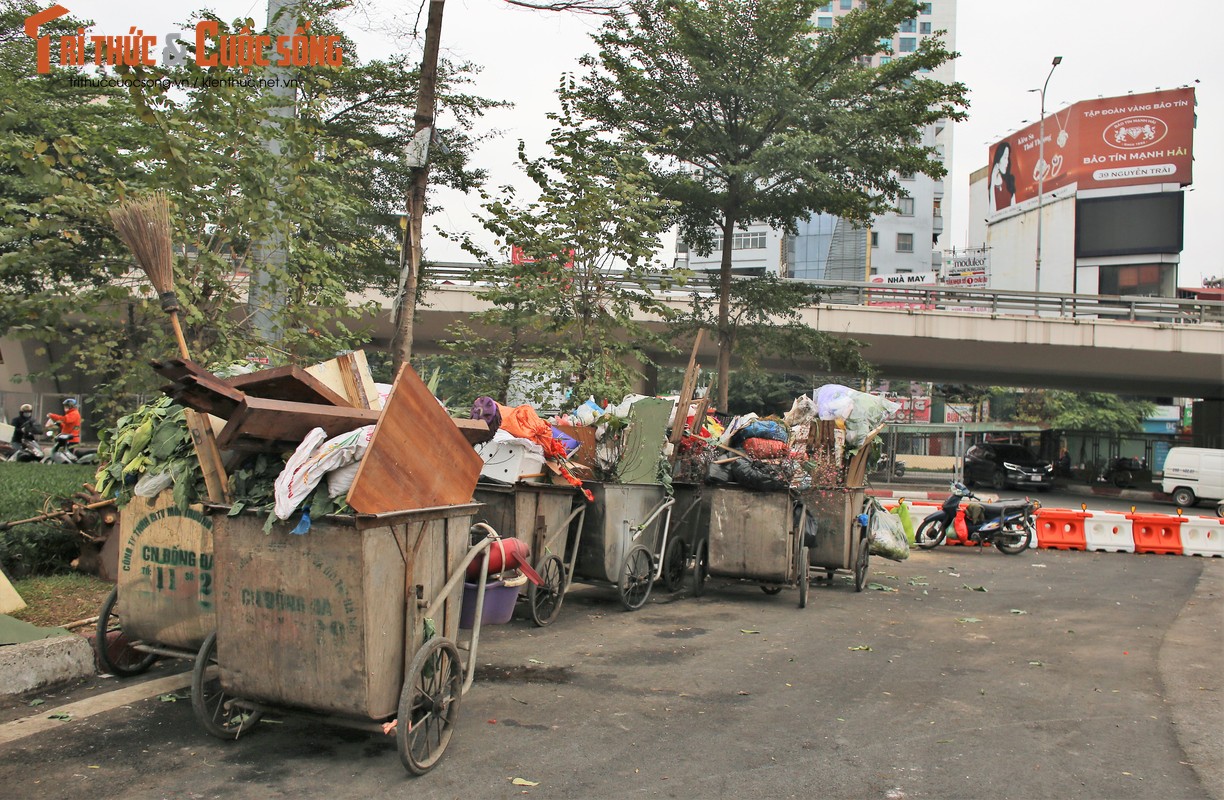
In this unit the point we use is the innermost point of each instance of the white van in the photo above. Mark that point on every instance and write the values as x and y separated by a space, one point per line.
1194 473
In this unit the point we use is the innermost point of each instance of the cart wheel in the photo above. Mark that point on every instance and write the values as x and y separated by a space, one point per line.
546 599
860 564
429 705
771 590
674 562
803 576
117 657
701 567
636 578
211 704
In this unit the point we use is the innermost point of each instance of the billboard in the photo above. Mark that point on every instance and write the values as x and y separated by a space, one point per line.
1108 142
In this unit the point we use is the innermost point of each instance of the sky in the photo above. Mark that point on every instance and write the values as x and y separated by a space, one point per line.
1109 48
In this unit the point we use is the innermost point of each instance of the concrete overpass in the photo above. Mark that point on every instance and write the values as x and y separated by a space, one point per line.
1148 347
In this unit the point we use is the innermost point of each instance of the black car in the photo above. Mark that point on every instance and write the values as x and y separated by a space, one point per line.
1003 465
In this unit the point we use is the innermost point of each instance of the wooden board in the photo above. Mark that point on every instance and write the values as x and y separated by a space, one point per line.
349 376
645 437
177 368
205 393
585 436
261 424
288 383
417 457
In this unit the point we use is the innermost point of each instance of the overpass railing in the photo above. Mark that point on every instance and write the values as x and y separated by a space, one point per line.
1131 308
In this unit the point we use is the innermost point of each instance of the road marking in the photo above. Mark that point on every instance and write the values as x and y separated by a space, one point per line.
82 709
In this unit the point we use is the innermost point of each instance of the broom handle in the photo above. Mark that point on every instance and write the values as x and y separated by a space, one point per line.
178 334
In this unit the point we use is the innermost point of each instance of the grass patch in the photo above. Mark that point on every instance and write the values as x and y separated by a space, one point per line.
30 489
55 600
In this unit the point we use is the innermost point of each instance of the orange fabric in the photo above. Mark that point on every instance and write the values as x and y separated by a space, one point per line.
523 422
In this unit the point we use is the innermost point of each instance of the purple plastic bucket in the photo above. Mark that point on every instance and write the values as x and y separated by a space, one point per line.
499 602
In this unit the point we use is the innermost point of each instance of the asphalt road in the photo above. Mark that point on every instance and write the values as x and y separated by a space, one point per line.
1072 675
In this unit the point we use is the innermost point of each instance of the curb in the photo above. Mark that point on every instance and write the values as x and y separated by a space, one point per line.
34 665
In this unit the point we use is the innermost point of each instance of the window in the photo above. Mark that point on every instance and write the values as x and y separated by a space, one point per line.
905 242
875 238
909 26
905 206
885 45
926 9
826 8
937 208
1137 280
845 4
908 44
824 22
924 28
885 60
742 240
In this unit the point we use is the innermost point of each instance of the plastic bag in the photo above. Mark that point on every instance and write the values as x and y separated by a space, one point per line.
756 475
313 459
907 522
760 429
888 536
151 484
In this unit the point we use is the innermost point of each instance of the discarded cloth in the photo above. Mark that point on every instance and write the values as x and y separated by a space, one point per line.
313 459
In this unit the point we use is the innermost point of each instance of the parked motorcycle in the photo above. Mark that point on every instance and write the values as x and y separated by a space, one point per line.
64 452
27 450
889 468
1008 524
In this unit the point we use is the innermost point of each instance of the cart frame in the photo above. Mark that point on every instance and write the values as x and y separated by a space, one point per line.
612 532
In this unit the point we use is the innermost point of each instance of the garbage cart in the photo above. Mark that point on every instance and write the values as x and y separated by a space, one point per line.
838 532
355 622
163 600
543 516
688 524
624 536
754 536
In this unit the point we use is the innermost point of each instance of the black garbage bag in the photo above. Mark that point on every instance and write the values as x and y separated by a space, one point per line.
757 475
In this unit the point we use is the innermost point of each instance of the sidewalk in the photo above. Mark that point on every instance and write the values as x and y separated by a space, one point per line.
935 490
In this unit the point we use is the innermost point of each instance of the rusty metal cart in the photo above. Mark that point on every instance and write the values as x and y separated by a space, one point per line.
754 536
542 515
354 623
624 536
840 540
165 580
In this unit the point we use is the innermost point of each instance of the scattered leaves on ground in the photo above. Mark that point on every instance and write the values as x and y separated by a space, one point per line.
968 619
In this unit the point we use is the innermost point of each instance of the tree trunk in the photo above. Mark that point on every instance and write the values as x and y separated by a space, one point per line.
724 314
410 253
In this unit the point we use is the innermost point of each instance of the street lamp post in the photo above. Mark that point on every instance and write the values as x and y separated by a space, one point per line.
1042 169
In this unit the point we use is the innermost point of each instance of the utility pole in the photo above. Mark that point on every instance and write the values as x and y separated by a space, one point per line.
1042 170
264 297
410 250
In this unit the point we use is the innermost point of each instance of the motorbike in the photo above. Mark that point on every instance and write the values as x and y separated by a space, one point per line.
1008 524
27 450
889 468
63 451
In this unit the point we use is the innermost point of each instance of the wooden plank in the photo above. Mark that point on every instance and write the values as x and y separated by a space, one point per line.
262 424
475 431
349 376
216 482
417 457
288 383
177 368
585 436
687 389
205 393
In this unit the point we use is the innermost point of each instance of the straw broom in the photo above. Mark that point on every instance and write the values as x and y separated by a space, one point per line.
144 226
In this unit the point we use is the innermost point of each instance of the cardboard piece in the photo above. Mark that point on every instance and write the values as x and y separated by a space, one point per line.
10 601
349 376
417 457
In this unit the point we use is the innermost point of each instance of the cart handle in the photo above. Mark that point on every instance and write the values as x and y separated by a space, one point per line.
664 505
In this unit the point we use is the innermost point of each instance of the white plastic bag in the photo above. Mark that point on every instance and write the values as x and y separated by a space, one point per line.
313 459
888 536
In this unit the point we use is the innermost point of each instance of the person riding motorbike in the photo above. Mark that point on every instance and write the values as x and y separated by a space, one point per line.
69 422
25 427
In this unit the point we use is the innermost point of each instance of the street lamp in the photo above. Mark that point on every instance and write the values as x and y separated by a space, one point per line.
1041 168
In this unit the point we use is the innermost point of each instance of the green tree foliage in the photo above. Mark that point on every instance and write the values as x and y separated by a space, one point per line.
1083 411
753 114
573 306
331 188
